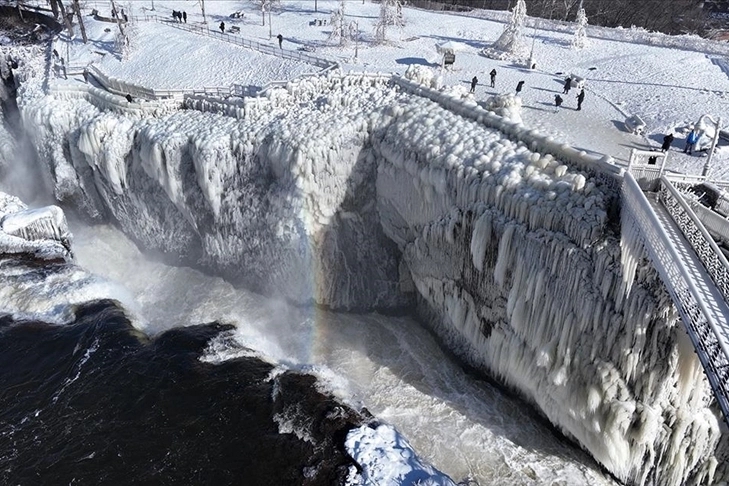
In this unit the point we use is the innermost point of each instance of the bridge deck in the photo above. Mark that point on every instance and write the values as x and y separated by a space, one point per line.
714 302
711 296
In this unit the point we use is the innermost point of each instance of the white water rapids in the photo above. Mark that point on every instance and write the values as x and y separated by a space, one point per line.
464 426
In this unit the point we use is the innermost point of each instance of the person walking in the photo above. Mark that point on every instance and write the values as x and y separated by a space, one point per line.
519 86
493 78
184 16
667 141
280 41
474 82
567 86
691 140
222 27
580 99
558 100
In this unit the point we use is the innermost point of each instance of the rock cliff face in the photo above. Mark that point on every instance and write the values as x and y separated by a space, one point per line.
350 192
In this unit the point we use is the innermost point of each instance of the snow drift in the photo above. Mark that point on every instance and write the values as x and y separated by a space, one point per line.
353 192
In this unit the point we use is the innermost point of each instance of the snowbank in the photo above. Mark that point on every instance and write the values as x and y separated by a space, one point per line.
386 457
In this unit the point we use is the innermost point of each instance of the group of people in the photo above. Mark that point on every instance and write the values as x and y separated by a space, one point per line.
580 98
520 85
474 81
179 16
691 140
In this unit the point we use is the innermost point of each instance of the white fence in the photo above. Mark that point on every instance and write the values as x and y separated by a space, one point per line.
272 50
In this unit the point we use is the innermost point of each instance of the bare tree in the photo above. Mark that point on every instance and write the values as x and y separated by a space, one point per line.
202 8
266 6
66 19
54 8
18 4
81 26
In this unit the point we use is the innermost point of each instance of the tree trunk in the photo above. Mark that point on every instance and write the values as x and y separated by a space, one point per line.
118 17
81 26
54 8
66 19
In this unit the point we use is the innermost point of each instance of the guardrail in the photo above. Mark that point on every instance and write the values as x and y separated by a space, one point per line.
697 235
240 41
535 141
714 222
638 218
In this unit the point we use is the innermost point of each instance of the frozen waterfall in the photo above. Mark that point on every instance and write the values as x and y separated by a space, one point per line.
353 193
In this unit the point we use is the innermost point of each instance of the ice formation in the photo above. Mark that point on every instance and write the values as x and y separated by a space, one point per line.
363 191
41 232
386 457
38 280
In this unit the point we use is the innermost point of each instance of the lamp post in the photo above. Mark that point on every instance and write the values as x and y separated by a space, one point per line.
356 38
270 32
717 124
531 54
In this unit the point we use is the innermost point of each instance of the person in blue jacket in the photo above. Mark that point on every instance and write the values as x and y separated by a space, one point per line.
691 140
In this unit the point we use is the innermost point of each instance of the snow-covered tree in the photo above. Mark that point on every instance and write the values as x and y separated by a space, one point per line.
265 6
390 15
580 39
512 39
339 26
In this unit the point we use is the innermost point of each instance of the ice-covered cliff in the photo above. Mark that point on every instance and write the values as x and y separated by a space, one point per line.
353 193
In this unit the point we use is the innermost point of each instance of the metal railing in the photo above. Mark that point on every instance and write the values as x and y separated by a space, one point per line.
697 235
319 62
702 329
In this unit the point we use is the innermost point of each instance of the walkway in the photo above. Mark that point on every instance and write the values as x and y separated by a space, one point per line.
698 299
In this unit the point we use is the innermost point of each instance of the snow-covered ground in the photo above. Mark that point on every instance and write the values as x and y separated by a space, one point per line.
668 88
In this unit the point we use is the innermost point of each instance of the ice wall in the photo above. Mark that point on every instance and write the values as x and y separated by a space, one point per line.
277 198
517 267
346 191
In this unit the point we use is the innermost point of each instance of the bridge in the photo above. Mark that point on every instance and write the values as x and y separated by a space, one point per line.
676 233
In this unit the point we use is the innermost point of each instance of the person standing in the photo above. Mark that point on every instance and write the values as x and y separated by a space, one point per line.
558 100
493 78
519 86
222 27
184 16
580 99
567 86
280 41
691 140
667 141
474 82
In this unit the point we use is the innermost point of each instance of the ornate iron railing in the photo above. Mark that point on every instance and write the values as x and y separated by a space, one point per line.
697 235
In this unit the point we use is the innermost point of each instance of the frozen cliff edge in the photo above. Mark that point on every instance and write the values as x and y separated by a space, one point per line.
349 192
39 280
